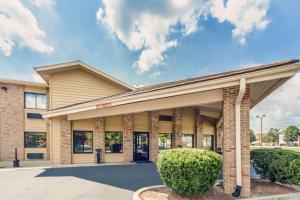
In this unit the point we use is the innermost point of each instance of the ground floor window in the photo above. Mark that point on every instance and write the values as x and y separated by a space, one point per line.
82 142
165 141
208 142
35 140
113 142
188 140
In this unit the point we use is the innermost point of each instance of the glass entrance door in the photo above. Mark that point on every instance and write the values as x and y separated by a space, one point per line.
140 146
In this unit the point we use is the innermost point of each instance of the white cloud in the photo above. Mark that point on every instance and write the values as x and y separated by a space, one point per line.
19 26
245 15
42 3
150 26
282 108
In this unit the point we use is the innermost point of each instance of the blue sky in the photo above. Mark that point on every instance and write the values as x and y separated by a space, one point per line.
203 42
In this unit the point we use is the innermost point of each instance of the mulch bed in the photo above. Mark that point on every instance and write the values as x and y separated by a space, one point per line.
258 188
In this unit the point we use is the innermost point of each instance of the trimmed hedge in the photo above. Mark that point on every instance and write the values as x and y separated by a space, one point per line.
277 165
189 172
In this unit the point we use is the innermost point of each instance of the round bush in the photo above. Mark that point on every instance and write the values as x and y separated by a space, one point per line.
277 165
189 172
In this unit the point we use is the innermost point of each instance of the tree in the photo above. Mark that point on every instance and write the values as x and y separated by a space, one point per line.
291 134
273 135
252 135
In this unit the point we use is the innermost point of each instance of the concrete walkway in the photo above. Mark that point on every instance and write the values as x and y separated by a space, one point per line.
105 182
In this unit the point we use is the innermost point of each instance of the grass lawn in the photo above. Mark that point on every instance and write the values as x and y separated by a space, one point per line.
283 147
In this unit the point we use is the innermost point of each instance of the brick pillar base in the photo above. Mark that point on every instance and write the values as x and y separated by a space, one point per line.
128 138
177 127
154 135
99 137
199 129
229 143
65 138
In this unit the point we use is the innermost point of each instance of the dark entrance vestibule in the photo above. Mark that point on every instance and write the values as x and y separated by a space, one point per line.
140 146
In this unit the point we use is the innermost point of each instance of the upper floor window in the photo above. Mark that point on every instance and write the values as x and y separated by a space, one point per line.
35 100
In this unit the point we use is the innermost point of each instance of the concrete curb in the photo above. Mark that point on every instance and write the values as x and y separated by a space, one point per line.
136 195
290 196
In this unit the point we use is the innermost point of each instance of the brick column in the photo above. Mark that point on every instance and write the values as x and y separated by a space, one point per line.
65 141
199 129
177 128
154 135
99 137
229 144
128 138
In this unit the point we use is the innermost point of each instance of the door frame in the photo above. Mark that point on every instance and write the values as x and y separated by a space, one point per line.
134 146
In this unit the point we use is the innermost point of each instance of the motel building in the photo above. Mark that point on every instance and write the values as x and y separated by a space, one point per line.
81 109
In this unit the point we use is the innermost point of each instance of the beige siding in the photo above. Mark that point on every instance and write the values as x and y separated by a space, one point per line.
114 123
35 89
83 125
164 126
141 122
78 85
55 140
35 125
188 120
208 128
36 150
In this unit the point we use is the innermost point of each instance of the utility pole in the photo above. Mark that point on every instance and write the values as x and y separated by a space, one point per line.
261 128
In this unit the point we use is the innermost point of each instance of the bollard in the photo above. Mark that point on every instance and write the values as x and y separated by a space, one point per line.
16 162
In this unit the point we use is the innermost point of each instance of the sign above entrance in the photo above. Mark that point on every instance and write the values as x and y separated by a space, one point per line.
103 105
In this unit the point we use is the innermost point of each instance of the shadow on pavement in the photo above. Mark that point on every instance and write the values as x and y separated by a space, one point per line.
130 177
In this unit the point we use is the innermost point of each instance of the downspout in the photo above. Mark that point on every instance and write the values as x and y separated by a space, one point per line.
240 96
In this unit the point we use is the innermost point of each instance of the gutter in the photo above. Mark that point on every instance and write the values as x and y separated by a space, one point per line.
239 99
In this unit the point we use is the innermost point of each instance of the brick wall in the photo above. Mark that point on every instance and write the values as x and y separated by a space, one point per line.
11 121
177 128
99 136
66 143
153 135
128 138
229 143
199 129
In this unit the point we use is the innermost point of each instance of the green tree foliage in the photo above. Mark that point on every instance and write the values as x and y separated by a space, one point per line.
273 135
252 136
189 172
291 134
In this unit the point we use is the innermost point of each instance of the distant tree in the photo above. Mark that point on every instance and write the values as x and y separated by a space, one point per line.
252 135
291 134
273 135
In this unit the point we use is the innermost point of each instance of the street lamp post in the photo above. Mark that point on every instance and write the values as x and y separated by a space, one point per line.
261 127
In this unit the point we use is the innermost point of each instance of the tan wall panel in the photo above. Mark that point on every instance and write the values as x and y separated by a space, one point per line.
83 158
83 125
78 85
164 126
188 120
141 122
35 89
114 157
208 128
36 150
55 140
114 123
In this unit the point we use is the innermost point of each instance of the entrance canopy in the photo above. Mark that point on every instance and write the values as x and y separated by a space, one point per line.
205 92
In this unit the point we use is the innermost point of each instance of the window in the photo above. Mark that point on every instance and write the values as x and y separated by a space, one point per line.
82 142
34 116
35 140
188 140
208 142
165 141
166 118
113 142
35 100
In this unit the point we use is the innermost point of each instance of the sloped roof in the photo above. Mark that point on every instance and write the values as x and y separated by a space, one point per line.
45 70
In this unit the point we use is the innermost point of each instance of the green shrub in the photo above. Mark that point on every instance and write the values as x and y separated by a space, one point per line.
277 165
189 172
